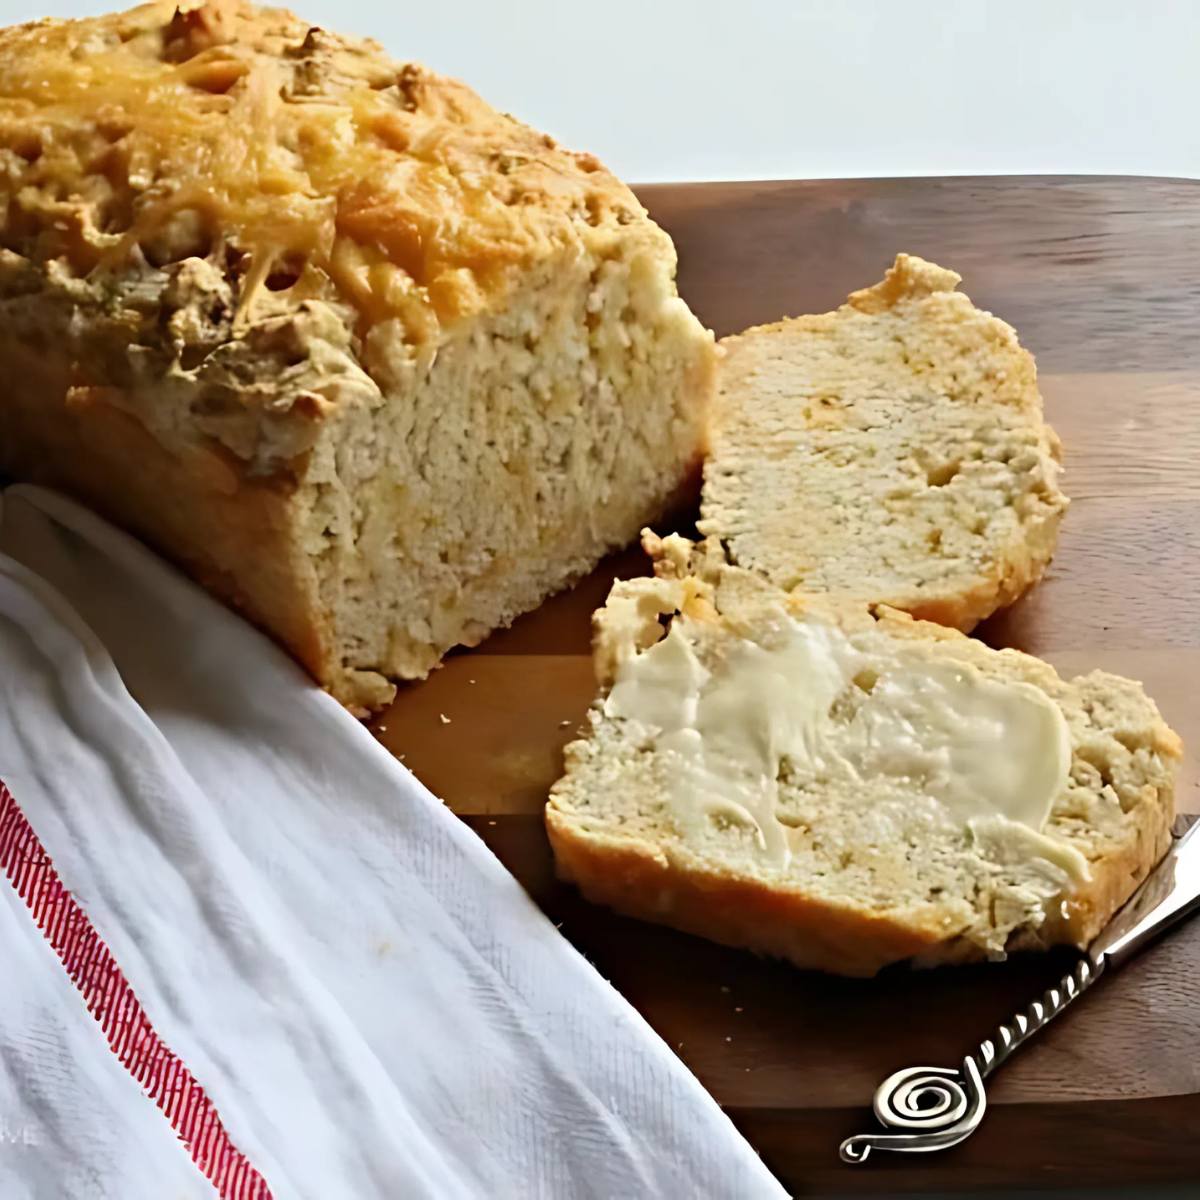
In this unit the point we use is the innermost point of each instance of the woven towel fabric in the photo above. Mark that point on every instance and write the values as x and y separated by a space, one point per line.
367 1002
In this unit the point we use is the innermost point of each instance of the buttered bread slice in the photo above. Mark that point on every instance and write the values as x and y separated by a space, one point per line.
892 451
847 789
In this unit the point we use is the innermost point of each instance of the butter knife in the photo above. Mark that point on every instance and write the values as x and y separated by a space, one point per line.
933 1108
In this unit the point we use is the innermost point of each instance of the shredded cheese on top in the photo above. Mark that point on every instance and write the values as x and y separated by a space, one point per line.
174 130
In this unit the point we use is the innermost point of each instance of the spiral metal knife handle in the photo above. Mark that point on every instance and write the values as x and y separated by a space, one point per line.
932 1108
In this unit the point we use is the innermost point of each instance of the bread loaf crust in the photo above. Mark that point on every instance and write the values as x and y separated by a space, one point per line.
373 361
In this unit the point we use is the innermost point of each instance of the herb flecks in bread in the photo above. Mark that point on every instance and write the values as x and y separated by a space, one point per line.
891 451
847 787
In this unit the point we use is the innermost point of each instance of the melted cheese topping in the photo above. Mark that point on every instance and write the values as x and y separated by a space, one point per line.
993 755
317 155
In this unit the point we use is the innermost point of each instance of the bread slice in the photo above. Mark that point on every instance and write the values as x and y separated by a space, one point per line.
375 362
892 451
846 788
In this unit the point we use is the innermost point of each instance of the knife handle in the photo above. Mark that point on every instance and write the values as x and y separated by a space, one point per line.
933 1108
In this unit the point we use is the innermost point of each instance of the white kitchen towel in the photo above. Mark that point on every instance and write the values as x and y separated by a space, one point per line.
369 1001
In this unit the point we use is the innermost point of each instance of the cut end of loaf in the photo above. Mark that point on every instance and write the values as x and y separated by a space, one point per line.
877 868
533 447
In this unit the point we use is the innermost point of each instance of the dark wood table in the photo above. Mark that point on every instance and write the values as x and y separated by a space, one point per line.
1101 277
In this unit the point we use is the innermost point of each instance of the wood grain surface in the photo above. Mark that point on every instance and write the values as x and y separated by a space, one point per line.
1101 278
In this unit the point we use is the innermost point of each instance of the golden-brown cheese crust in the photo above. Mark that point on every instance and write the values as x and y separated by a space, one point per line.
335 171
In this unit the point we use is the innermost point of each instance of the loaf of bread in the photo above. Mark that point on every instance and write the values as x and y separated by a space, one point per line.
893 451
846 788
375 362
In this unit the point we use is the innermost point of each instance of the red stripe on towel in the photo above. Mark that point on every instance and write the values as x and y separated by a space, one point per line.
110 999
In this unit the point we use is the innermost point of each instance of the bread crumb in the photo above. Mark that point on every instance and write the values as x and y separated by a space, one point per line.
563 724
738 1008
945 558
445 720
470 681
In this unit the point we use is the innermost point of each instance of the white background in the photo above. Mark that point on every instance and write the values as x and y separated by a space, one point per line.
728 89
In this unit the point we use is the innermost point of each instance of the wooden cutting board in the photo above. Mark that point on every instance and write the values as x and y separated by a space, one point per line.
1101 277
